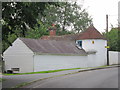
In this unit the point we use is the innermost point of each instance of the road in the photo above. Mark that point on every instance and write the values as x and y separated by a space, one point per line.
14 80
104 78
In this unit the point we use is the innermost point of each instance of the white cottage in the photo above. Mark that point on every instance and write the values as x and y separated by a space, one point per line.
86 49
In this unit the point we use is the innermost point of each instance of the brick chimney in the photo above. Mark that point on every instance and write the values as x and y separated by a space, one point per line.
52 30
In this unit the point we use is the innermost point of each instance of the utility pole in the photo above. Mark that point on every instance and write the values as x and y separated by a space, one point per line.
107 23
107 39
107 56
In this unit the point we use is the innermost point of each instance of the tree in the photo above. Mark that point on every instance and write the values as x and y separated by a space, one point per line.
67 15
113 39
118 38
32 19
38 31
17 16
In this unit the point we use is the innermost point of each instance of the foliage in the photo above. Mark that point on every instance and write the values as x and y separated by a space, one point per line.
19 17
32 19
67 15
113 39
118 38
37 32
1 79
11 38
64 32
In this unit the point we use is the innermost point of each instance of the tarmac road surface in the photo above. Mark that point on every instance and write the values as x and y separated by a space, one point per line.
103 78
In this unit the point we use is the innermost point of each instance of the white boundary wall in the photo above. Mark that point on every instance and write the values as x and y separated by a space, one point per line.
114 57
54 62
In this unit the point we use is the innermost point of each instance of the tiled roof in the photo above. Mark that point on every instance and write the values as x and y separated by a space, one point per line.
64 44
53 47
69 37
91 33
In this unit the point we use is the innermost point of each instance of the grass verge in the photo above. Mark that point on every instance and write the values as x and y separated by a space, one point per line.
50 71
1 79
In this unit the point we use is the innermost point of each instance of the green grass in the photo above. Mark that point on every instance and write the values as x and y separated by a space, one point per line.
50 71
1 79
103 66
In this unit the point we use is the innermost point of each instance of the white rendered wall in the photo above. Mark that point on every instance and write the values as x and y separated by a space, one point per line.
114 57
99 46
19 56
53 62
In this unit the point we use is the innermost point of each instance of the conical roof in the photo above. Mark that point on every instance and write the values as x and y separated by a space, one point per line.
91 33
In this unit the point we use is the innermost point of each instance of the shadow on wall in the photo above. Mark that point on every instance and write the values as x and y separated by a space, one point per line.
2 66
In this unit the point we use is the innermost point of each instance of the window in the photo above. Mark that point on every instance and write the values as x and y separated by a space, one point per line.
80 43
15 69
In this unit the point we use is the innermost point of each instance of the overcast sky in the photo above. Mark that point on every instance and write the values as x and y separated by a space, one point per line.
98 10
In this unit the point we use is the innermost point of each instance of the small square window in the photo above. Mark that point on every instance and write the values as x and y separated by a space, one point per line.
80 43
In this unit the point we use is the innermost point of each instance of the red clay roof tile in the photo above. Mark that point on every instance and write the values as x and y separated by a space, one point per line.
91 33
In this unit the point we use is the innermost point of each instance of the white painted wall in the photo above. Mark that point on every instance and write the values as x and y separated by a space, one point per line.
114 57
18 56
99 46
53 62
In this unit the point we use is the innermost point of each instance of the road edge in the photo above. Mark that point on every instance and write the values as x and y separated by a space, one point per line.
83 70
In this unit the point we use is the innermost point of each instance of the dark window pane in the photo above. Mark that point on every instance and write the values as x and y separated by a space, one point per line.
80 43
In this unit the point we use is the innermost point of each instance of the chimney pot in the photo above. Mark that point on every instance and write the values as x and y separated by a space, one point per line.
52 30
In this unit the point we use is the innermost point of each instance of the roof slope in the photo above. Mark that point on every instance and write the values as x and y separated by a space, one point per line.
53 46
91 33
69 37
